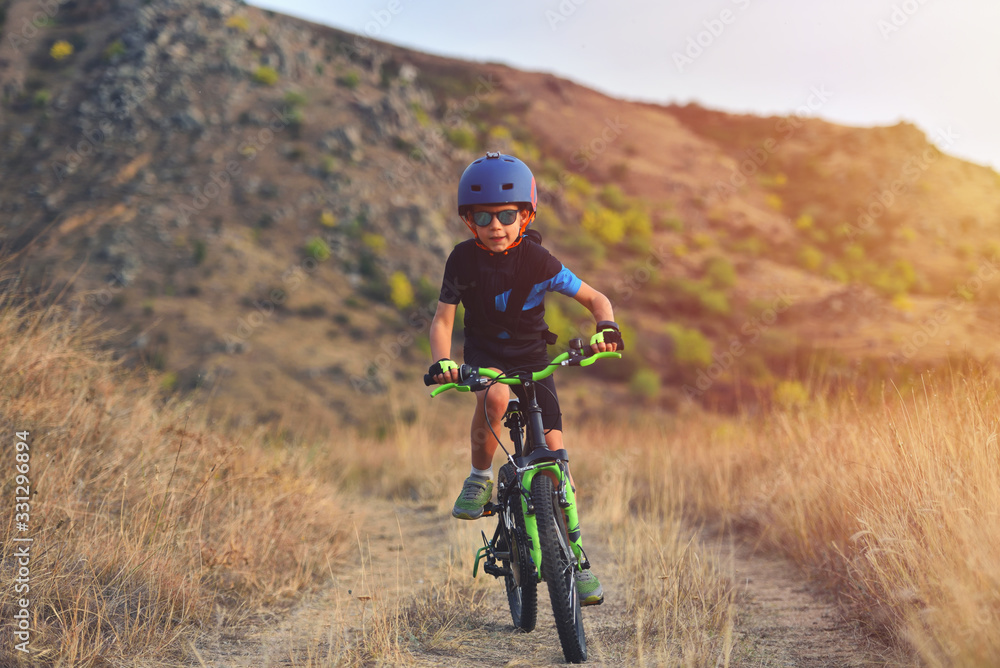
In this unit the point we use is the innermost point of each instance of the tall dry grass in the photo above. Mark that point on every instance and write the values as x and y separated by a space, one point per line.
151 529
894 504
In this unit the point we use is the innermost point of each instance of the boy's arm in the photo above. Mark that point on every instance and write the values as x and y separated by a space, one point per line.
600 307
440 336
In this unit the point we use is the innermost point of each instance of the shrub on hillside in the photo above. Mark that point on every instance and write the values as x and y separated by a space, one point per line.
791 394
604 224
114 50
238 23
811 258
691 347
295 99
720 272
612 197
350 80
265 75
645 384
400 290
317 249
462 138
61 50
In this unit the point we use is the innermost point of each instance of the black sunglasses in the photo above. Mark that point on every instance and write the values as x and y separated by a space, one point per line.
484 218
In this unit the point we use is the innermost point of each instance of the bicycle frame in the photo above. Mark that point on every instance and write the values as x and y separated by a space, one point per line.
538 528
540 460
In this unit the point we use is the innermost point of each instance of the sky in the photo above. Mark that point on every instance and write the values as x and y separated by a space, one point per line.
934 63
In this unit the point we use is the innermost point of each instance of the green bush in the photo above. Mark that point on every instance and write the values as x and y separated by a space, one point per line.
317 249
420 114
837 272
605 224
854 253
462 138
691 347
697 297
581 186
295 99
638 223
612 197
168 381
715 302
265 75
199 252
645 384
349 80
588 247
750 246
790 394
400 290
327 165
61 50
427 292
673 224
238 22
702 240
116 48
811 258
720 272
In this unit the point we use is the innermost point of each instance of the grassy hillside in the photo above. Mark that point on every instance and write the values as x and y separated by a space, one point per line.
296 183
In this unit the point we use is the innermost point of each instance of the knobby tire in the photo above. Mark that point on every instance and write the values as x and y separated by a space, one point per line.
522 592
558 566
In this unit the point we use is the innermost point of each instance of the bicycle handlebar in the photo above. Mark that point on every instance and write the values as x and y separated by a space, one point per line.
470 375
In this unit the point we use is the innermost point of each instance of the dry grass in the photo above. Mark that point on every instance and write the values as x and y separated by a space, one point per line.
149 527
894 503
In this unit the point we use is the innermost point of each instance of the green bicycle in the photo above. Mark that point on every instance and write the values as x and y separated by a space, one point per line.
535 505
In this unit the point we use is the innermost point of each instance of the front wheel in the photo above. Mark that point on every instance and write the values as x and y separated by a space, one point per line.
558 566
521 585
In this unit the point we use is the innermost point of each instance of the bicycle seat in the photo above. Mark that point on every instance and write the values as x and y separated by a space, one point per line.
543 454
513 406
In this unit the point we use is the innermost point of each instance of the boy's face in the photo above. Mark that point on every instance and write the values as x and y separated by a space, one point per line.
496 236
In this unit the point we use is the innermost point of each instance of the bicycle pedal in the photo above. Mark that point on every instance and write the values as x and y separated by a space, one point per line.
490 509
496 571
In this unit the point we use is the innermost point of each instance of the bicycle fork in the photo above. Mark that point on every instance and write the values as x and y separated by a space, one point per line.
567 501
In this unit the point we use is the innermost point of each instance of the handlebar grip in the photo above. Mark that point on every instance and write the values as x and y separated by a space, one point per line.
465 372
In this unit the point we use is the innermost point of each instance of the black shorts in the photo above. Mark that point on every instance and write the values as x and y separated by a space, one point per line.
545 394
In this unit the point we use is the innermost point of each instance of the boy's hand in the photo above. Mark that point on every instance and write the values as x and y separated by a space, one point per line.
607 339
444 371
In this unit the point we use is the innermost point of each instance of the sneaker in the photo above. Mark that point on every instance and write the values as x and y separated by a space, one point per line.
475 494
589 588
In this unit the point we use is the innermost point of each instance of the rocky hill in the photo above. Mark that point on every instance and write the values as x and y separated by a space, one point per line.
260 208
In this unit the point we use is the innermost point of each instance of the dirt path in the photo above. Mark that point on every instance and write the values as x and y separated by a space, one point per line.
408 576
787 619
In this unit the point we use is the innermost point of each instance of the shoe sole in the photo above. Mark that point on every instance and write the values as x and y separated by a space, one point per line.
589 601
463 515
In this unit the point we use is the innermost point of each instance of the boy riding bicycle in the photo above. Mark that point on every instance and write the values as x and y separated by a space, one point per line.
501 276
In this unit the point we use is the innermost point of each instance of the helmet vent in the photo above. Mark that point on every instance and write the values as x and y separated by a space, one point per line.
476 188
507 186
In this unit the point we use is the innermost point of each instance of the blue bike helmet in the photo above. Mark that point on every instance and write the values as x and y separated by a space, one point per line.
497 179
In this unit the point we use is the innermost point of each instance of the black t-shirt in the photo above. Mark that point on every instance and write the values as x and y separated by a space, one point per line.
483 281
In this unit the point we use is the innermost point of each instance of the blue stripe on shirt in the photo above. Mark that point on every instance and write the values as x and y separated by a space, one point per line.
565 282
